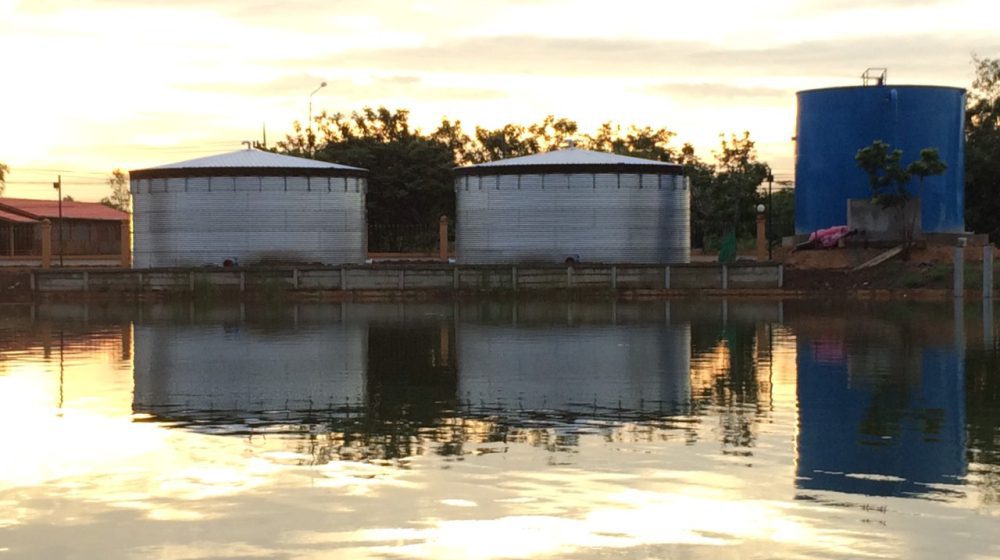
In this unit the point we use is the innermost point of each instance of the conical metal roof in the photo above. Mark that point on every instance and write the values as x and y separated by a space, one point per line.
253 158
248 162
571 160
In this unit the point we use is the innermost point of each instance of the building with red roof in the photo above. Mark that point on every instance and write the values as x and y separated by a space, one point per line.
78 229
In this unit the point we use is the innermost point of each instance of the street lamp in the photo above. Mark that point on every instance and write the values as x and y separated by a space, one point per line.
310 132
770 180
58 186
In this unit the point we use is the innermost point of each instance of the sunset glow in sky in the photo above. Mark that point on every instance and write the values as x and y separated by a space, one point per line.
90 85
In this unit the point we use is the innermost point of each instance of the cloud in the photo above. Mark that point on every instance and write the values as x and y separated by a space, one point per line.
719 91
924 55
520 54
381 87
930 55
839 5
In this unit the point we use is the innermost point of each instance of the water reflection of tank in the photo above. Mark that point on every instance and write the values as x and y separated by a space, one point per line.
588 369
879 421
239 369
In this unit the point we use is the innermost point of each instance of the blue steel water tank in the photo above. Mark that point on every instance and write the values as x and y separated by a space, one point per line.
834 123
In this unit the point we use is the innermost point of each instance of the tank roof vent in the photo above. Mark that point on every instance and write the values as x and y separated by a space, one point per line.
874 76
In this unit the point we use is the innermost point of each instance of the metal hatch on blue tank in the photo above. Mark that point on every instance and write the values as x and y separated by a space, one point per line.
834 123
575 205
246 207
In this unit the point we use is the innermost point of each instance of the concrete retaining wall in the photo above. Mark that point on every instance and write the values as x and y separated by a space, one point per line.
415 277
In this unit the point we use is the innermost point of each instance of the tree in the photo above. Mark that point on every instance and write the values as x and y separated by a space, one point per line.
121 197
508 141
724 194
982 144
552 133
514 140
451 135
409 181
889 179
929 164
645 142
886 175
4 170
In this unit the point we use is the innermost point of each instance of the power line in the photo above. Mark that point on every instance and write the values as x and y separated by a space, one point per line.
71 183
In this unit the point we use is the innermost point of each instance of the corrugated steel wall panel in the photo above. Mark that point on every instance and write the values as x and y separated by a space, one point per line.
604 217
198 221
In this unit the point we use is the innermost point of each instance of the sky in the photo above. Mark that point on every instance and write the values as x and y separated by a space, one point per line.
87 86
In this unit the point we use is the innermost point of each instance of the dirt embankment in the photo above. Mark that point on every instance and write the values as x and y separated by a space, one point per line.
832 269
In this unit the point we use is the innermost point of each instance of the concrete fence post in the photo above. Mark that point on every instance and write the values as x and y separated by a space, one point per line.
46 243
126 245
443 239
513 278
725 277
614 277
761 237
988 271
959 266
666 277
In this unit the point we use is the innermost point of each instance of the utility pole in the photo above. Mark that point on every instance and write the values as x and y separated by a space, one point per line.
309 131
58 186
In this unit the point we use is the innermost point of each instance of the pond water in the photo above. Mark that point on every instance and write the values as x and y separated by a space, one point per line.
680 429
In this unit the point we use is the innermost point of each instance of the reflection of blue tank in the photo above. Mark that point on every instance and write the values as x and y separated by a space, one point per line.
883 433
833 124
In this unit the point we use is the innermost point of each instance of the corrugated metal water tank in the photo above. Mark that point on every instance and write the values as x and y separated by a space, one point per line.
572 204
834 123
247 207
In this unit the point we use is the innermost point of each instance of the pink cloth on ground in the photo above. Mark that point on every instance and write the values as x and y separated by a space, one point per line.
830 236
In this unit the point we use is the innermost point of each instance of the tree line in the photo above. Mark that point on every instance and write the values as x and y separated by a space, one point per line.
982 150
411 182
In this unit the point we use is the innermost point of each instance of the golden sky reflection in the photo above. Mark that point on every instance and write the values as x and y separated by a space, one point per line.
87 470
85 451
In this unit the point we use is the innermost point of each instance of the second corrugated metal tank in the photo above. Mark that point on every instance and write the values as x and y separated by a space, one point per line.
247 207
572 205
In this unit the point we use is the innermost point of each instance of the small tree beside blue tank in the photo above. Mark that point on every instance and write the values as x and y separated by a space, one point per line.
889 180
